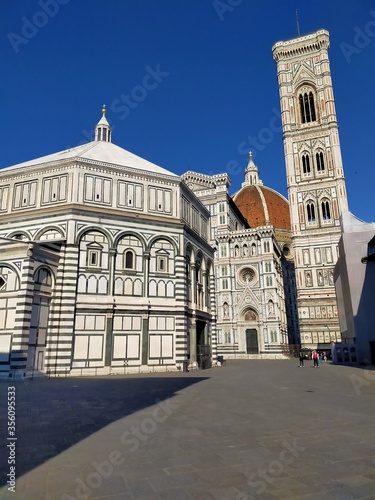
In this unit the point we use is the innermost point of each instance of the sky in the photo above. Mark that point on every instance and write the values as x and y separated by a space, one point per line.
188 84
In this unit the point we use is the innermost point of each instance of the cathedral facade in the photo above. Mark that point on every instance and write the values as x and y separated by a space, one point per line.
254 269
287 248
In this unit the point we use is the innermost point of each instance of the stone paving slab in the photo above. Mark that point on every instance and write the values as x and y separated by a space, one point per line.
252 429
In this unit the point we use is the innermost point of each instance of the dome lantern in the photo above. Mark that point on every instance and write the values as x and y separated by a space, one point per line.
252 174
103 130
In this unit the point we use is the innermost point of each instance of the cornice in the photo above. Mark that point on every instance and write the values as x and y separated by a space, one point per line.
301 46
93 165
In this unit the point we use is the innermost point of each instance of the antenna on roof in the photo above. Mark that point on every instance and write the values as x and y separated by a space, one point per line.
298 31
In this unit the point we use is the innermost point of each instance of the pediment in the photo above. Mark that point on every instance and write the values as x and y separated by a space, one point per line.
304 146
303 72
309 194
248 298
318 143
321 193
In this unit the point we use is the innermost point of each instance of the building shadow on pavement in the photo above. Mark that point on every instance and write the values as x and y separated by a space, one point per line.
54 414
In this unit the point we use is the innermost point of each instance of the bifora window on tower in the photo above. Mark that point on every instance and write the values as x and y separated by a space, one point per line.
306 163
319 161
307 107
326 210
310 211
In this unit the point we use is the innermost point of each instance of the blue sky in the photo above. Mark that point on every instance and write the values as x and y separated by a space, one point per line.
188 84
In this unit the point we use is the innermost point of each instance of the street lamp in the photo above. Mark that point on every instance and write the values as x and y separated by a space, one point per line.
329 331
332 340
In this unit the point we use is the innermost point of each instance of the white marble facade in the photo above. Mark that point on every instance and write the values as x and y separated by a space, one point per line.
98 273
250 299
315 179
111 263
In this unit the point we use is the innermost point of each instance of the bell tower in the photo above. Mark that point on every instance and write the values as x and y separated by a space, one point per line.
315 180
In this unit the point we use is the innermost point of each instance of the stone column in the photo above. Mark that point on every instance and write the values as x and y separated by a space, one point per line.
146 264
20 340
193 286
193 342
145 338
59 355
111 267
108 339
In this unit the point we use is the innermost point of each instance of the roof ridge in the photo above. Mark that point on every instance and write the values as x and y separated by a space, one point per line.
96 152
265 207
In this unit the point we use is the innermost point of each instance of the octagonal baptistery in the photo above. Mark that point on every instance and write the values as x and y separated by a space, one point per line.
262 206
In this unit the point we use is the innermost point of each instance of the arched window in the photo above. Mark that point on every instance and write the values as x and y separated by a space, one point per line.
307 107
129 259
310 212
128 254
162 262
43 277
306 163
326 210
94 255
320 161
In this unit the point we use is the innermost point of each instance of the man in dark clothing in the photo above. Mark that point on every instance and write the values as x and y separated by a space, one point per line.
301 360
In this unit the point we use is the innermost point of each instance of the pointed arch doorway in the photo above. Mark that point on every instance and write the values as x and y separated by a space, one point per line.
39 319
251 331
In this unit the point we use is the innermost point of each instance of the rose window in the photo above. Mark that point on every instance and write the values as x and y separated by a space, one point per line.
247 275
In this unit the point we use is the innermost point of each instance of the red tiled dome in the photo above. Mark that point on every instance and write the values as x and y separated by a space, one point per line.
261 206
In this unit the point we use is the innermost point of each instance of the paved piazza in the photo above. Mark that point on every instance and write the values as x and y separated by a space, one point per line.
252 429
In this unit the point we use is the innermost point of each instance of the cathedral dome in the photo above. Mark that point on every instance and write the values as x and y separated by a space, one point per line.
261 205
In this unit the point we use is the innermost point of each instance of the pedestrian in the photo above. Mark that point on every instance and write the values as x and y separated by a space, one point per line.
324 357
301 365
315 357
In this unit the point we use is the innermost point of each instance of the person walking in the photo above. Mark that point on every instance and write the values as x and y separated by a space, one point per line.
316 359
301 364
